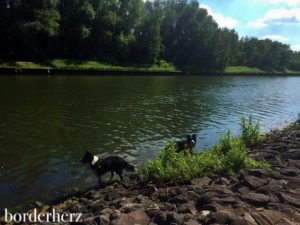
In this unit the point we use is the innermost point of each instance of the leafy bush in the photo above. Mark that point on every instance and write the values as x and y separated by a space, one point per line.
227 158
225 144
171 165
251 135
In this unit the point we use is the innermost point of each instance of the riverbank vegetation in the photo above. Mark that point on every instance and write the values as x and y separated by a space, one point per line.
243 69
131 33
229 157
160 65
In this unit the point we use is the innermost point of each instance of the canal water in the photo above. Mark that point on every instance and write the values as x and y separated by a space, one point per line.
46 123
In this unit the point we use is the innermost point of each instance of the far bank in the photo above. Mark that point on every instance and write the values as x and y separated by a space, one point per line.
161 68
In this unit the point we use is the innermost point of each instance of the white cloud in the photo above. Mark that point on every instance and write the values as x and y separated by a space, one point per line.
288 2
282 2
258 23
279 16
275 37
296 47
223 21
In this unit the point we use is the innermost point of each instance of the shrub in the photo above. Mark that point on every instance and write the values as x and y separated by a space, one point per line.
225 142
250 132
227 158
235 158
171 165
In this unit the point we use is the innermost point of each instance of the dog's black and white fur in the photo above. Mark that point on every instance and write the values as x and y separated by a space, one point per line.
109 164
189 143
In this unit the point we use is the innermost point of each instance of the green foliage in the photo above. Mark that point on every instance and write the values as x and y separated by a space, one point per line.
89 64
134 31
250 132
295 62
243 69
171 166
225 142
227 158
264 54
235 158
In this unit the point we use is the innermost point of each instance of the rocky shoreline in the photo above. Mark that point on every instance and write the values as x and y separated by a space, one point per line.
255 197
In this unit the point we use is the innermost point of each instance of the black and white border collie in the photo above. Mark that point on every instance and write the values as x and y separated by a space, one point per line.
109 164
189 143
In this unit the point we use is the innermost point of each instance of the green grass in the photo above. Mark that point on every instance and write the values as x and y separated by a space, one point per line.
243 69
229 157
23 64
161 65
254 70
288 71
250 132
90 64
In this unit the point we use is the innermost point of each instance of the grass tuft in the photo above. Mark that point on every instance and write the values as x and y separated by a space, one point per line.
250 131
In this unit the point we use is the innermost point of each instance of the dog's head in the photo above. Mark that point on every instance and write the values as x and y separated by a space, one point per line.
87 158
191 140
194 139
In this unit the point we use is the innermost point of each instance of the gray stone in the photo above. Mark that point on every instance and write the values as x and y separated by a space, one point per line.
253 182
187 208
157 216
257 172
103 220
200 182
256 199
223 217
291 172
192 222
180 199
175 218
259 219
291 200
135 217
89 221
285 221
106 211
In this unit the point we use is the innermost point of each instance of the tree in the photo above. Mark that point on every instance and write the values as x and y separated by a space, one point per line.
5 20
178 31
77 17
147 46
34 27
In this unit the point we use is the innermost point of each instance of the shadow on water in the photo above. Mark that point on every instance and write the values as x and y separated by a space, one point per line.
46 123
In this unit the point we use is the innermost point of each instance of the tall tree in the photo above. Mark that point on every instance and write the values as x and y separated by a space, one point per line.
34 27
5 21
147 47
77 18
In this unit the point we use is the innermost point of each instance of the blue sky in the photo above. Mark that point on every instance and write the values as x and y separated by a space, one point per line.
274 19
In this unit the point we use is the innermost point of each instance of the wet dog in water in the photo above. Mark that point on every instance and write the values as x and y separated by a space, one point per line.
109 164
189 143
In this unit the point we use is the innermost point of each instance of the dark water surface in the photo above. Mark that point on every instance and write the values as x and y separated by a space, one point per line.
46 123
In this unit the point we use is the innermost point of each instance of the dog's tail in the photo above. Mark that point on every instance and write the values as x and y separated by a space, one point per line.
128 166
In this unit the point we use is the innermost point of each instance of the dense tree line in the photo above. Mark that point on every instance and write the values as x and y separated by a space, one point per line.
295 61
178 31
